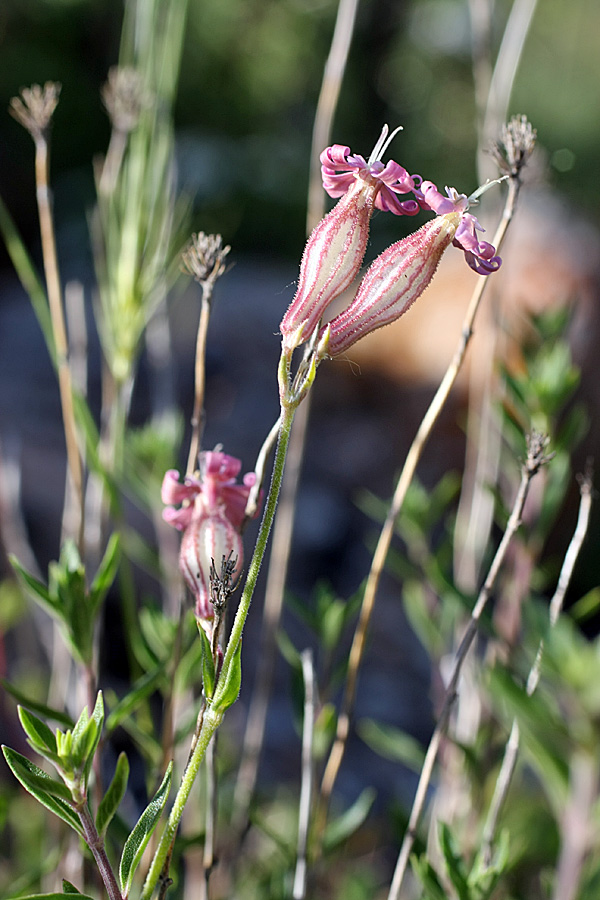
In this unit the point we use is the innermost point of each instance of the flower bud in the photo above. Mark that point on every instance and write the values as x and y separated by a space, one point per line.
335 250
331 260
393 282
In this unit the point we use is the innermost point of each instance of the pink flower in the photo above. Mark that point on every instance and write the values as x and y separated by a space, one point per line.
480 255
335 250
400 274
211 512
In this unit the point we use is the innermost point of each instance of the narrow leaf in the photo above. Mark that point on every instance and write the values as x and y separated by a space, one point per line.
69 888
106 573
115 793
54 895
48 792
37 590
40 737
341 829
228 694
208 664
141 689
139 837
47 711
392 743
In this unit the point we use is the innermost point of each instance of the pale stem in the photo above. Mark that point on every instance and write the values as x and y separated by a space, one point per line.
535 460
212 715
578 824
512 747
59 331
406 476
308 675
200 378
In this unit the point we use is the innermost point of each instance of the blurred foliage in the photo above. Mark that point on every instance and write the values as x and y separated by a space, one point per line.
249 84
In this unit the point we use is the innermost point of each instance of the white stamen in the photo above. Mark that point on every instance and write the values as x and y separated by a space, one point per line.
383 143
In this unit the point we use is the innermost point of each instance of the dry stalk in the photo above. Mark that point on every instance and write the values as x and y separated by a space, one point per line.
536 458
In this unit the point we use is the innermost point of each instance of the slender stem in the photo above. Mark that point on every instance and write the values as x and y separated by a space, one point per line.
200 378
535 459
406 476
213 715
308 675
282 534
511 751
96 845
55 302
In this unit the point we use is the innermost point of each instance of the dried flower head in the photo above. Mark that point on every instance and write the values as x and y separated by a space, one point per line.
124 97
516 144
204 257
212 509
35 107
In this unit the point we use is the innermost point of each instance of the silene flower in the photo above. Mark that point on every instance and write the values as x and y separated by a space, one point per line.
335 250
211 510
400 274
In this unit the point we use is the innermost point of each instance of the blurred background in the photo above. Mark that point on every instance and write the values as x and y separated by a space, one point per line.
249 84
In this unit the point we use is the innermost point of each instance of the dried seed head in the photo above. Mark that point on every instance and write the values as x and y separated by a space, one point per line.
124 97
515 146
204 257
35 107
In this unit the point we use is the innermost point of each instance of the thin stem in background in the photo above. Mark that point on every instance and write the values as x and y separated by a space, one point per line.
406 476
200 383
282 533
536 458
492 93
512 747
308 676
34 110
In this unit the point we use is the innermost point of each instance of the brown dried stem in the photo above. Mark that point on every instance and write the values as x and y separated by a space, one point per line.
406 476
536 458
34 110
512 747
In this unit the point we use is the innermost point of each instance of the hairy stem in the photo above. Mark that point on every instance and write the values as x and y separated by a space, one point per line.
213 715
96 845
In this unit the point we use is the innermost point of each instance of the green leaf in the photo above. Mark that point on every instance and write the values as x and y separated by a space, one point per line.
37 590
455 865
208 665
54 895
69 888
428 878
392 743
139 837
228 693
113 796
98 720
28 276
106 573
47 711
54 795
40 737
141 689
341 828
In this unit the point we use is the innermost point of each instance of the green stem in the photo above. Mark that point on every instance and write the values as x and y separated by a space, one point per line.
213 715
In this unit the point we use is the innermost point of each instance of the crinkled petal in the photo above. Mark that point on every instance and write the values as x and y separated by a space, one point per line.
220 466
172 492
178 518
